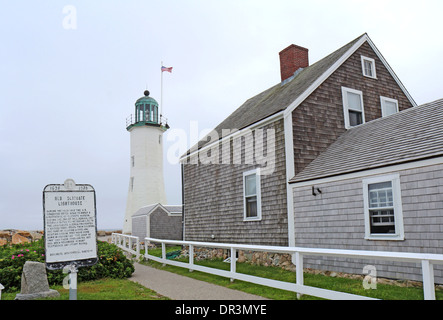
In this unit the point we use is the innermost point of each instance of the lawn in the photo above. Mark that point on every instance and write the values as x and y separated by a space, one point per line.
123 289
104 289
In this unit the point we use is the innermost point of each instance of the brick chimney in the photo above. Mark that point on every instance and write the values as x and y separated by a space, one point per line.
291 59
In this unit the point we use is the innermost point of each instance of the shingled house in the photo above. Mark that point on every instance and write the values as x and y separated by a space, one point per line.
379 186
158 221
235 181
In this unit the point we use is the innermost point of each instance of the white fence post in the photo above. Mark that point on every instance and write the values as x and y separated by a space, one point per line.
428 280
191 257
233 262
164 253
299 270
1 288
138 248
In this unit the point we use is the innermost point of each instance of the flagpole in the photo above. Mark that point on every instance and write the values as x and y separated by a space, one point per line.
161 93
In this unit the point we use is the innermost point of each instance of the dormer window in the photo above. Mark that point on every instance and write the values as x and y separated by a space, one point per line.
353 107
368 67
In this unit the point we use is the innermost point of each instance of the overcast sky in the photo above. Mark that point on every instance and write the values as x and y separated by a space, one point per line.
71 71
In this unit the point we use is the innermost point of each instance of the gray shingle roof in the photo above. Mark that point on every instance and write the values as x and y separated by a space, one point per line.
410 135
173 209
278 97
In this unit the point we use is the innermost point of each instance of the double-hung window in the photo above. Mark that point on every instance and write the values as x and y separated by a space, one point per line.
251 195
368 67
388 106
353 107
383 209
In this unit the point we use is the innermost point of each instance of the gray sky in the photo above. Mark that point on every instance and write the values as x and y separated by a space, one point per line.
65 93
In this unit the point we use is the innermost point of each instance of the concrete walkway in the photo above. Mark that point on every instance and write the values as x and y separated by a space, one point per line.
179 287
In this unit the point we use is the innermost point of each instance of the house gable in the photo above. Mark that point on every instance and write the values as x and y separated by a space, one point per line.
320 119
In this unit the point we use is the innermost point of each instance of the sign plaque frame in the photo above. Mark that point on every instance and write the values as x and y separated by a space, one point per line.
70 225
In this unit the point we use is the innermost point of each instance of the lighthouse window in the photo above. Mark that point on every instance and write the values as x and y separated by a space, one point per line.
132 184
140 114
148 112
155 114
132 161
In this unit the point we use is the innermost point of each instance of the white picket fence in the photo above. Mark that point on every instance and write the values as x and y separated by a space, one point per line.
427 262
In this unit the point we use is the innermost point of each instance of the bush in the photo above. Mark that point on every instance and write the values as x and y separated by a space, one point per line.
112 263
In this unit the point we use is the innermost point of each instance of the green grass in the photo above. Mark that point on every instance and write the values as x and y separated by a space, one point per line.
383 291
122 289
104 289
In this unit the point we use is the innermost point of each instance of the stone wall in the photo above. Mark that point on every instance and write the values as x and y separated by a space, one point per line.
13 236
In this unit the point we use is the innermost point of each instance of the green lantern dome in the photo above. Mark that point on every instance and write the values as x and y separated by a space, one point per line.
146 113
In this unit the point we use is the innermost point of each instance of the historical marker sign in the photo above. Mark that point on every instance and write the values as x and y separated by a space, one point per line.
70 223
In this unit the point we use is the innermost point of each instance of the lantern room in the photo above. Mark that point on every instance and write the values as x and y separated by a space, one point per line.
146 113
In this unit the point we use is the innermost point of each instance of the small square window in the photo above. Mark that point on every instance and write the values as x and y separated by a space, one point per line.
388 106
368 67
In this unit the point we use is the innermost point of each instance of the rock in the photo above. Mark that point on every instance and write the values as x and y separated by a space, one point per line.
241 256
36 235
18 238
35 282
23 233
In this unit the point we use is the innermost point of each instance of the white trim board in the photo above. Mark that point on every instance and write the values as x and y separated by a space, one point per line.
370 172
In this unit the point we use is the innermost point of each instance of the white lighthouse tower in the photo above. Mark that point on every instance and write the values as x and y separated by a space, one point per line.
146 184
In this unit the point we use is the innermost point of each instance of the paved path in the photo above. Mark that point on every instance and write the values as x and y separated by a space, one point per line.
179 287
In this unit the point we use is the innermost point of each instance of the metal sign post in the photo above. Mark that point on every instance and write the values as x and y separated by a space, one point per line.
70 227
73 282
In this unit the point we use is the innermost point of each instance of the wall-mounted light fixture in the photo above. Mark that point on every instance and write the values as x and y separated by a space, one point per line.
315 191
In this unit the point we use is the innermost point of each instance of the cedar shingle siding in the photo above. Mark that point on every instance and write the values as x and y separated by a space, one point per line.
164 222
319 120
164 226
213 196
335 219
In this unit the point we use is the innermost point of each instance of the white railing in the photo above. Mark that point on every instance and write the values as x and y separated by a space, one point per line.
127 242
427 262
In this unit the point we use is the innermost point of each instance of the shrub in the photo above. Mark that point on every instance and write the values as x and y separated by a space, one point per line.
112 263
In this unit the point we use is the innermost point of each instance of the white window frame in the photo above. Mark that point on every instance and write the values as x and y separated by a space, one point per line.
398 212
383 100
346 108
372 61
257 192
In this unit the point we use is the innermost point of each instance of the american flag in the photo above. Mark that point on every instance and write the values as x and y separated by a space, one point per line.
169 69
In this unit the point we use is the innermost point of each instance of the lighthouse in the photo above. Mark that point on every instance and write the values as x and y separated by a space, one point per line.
146 183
